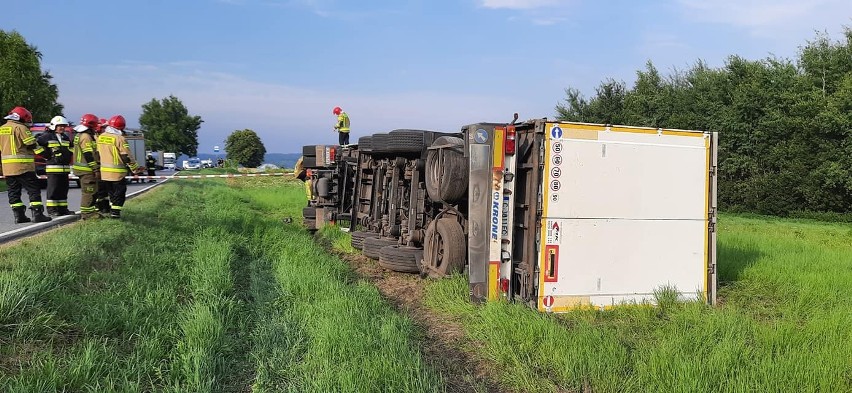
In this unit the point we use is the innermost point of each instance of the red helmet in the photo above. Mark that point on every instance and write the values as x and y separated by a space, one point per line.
89 120
117 122
337 110
24 116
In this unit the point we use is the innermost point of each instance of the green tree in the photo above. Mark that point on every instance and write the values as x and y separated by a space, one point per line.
22 82
785 125
246 148
169 127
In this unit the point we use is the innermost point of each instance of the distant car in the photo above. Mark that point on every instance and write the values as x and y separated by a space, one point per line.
192 163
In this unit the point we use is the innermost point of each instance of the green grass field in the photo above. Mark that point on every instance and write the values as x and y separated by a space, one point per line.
784 324
200 288
203 288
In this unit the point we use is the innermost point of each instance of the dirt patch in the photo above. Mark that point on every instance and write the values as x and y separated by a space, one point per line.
443 340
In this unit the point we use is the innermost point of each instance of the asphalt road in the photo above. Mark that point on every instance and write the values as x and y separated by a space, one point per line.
7 219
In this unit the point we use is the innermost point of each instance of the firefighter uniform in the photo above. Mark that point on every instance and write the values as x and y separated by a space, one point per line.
342 128
17 153
87 169
58 150
116 158
151 164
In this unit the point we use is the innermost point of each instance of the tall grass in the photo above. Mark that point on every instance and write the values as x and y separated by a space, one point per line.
783 324
200 287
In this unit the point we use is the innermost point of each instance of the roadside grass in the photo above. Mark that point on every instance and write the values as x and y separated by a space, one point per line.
783 324
200 287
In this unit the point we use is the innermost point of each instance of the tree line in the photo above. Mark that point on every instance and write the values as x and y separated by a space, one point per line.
785 125
167 123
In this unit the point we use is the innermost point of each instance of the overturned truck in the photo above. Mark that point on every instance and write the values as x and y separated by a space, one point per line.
557 215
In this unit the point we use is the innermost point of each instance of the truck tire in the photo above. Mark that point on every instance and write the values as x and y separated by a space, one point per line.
310 224
309 162
379 143
358 238
373 245
406 141
365 144
399 259
323 187
309 151
444 248
447 181
309 212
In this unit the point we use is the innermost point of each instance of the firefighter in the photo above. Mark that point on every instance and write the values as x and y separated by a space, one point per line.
302 174
342 126
151 164
18 148
101 197
57 151
116 158
86 164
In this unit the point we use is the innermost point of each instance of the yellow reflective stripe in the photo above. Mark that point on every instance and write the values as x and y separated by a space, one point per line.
19 204
35 203
78 168
113 170
28 140
38 150
115 207
18 160
87 149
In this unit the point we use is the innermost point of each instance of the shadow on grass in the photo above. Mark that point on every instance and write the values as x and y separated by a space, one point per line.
733 259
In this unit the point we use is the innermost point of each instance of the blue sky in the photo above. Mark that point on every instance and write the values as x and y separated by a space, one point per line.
280 66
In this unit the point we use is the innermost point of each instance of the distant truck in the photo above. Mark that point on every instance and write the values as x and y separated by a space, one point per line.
169 161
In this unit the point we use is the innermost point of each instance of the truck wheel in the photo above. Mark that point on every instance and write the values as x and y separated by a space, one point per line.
323 187
447 181
309 162
373 246
309 151
406 141
365 144
379 143
444 249
358 238
399 259
310 224
309 212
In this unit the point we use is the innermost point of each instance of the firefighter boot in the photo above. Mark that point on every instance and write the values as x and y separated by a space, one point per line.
52 211
20 215
103 206
114 213
63 211
38 214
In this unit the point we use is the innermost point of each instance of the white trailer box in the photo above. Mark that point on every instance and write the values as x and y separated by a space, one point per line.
619 213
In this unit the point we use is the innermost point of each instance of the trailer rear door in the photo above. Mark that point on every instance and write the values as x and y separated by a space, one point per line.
626 211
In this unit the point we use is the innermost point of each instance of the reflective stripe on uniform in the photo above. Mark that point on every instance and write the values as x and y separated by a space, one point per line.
57 168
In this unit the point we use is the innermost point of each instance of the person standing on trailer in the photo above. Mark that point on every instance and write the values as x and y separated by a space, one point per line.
116 158
57 147
342 126
18 148
86 164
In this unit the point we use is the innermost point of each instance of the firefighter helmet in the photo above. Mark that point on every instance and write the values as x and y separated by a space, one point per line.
117 122
21 114
89 120
57 121
337 110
